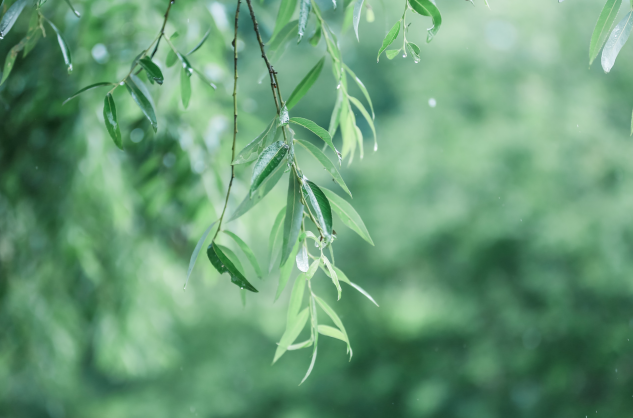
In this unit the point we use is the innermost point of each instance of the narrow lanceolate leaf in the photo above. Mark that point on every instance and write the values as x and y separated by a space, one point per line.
603 26
305 84
267 163
336 114
111 121
304 12
223 264
299 346
141 96
282 37
314 41
368 118
273 238
202 41
329 331
325 162
319 206
428 8
247 252
90 87
63 46
196 252
292 332
337 321
358 8
315 337
343 278
317 130
185 88
391 36
11 16
296 299
362 88
414 50
9 61
286 10
333 275
251 151
73 8
152 70
231 256
303 262
348 215
33 35
286 269
250 201
616 41
171 55
392 53
294 215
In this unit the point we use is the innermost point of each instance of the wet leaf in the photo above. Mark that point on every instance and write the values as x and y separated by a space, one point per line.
73 8
428 8
317 130
616 41
358 7
141 96
152 70
202 41
33 35
414 50
348 215
268 161
250 201
11 16
303 263
603 26
90 87
247 252
305 84
222 264
196 251
292 332
319 206
185 88
304 13
111 121
325 162
256 146
294 216
391 36
232 257
63 46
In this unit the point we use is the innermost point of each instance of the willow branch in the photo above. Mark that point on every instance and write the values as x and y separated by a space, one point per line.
235 76
162 29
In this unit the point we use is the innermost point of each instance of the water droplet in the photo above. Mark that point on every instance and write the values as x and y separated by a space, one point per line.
241 288
339 86
375 147
121 83
70 68
432 102
1 35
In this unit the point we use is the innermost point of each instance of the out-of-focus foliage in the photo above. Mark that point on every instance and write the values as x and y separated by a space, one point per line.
499 205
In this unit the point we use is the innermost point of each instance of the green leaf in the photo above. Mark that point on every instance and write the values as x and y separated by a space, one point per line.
305 84
368 118
305 6
302 260
196 251
391 36
185 88
9 61
602 28
33 35
358 7
314 40
223 264
250 201
286 269
332 332
141 96
616 41
11 16
153 72
319 206
313 267
317 130
171 55
286 10
73 8
315 337
343 278
267 163
292 332
256 146
90 87
296 299
232 257
336 114
63 46
332 275
111 121
247 252
414 50
325 162
392 53
337 321
204 79
299 346
274 233
362 88
202 41
348 215
294 215
428 8
282 37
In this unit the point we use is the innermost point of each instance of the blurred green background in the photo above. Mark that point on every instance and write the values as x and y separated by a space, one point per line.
501 218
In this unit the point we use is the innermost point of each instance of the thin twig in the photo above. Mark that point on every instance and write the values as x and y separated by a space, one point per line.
235 76
162 29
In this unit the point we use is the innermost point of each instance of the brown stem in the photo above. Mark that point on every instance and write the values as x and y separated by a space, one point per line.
162 29
235 76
